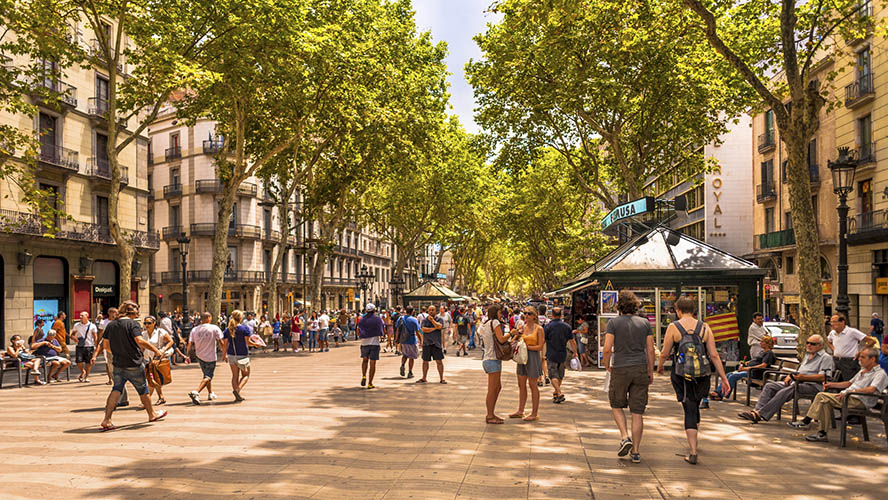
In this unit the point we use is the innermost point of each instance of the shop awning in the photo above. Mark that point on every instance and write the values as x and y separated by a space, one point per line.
433 291
571 287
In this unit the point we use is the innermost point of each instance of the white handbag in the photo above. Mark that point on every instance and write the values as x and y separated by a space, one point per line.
520 355
575 364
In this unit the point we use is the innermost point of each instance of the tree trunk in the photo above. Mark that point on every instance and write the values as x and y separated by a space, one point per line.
317 279
806 236
220 248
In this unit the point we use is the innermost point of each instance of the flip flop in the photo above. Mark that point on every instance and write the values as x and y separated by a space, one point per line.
530 419
517 415
160 416
443 381
691 459
494 420
108 428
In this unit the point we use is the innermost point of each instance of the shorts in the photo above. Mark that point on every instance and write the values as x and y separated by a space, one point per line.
581 347
409 351
135 376
322 335
629 387
234 358
462 339
556 370
370 352
431 351
492 365
288 339
534 366
207 368
84 354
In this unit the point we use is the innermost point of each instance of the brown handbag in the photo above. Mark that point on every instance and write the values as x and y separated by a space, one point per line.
160 371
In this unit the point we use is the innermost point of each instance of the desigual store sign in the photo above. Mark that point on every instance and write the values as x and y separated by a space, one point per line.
104 290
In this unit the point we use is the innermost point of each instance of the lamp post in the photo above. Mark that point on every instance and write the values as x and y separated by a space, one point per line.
843 183
396 284
364 276
184 241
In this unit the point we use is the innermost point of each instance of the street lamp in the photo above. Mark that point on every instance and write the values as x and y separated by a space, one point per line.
365 277
396 283
843 183
184 241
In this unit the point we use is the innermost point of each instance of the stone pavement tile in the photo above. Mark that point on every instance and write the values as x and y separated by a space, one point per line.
410 492
492 490
578 491
348 492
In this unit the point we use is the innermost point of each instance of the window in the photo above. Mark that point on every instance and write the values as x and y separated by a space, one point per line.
769 220
150 220
814 207
175 260
790 265
825 271
266 215
231 265
769 124
101 211
787 220
864 68
768 173
48 138
102 151
174 142
865 195
267 262
865 138
103 92
812 153
174 215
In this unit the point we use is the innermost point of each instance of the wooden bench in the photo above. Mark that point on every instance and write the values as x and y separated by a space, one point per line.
880 411
784 366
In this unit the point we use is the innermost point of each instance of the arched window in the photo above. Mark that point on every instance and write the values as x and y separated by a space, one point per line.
825 269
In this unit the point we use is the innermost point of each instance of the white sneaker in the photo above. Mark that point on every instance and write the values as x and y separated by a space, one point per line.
195 397
212 396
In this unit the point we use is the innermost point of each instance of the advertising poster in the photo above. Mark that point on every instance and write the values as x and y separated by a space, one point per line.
608 302
46 309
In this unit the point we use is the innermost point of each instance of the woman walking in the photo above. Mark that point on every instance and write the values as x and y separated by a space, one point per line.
689 338
236 343
286 336
530 372
161 339
492 331
313 328
266 331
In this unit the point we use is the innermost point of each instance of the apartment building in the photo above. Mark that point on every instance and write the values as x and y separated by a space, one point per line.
718 210
861 123
74 265
185 194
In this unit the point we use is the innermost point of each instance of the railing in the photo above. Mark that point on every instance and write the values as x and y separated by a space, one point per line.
172 190
59 157
776 239
205 229
766 141
247 231
30 224
171 277
63 91
97 107
274 236
208 186
860 88
339 281
868 227
765 191
213 146
171 232
345 250
247 189
238 276
95 50
866 153
173 153
101 169
145 239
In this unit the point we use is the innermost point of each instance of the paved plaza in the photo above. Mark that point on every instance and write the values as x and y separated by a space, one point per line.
307 430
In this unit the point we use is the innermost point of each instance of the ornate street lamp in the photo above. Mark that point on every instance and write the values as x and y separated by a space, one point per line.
184 241
396 284
365 278
843 183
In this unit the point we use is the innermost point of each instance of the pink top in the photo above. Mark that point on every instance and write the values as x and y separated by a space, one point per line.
205 337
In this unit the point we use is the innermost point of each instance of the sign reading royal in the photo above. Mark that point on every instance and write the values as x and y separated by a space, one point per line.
626 210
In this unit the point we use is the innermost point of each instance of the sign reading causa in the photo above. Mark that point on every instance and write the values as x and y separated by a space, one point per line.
626 210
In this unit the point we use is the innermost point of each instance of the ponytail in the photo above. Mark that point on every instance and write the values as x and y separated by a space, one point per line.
236 317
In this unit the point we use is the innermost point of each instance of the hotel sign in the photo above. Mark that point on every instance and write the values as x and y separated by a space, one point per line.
627 210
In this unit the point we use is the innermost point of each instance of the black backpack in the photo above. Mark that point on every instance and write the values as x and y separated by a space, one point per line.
403 333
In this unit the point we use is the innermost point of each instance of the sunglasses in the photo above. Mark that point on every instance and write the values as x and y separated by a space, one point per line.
812 343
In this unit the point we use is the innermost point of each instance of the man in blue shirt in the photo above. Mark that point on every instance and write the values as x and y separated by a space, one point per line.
407 328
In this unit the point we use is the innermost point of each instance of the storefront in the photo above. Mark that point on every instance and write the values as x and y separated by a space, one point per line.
106 286
50 289
660 266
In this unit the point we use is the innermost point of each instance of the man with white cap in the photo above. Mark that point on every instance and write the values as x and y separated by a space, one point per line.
370 329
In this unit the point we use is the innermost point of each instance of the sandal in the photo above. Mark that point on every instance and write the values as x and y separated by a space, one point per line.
530 418
494 420
691 459
106 428
159 416
160 401
517 415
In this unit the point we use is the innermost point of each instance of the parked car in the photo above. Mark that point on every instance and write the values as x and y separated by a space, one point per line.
786 337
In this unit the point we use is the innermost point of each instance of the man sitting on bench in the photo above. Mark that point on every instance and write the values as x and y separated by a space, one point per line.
755 369
870 379
812 372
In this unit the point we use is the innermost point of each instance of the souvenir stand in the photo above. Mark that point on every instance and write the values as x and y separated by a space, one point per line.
431 293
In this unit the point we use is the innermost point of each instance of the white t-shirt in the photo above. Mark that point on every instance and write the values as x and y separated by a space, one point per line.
487 336
324 322
205 337
845 343
167 324
87 330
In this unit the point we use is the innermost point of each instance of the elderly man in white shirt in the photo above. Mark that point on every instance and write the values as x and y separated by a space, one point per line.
844 341
755 333
870 379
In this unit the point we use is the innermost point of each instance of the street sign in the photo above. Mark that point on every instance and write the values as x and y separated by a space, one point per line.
351 294
441 276
627 210
882 286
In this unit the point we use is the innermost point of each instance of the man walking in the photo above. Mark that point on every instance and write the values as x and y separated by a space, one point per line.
844 342
61 333
205 337
323 331
472 320
370 329
446 327
124 337
407 329
85 333
558 337
877 327
630 341
755 333
461 319
432 347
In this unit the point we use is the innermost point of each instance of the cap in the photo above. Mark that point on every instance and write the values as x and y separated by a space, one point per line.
370 307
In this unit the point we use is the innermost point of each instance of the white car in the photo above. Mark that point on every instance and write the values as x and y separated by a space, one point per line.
785 336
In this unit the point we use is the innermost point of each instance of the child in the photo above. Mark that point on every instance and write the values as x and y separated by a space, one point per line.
336 332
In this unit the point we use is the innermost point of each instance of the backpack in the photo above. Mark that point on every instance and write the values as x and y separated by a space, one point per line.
403 332
691 361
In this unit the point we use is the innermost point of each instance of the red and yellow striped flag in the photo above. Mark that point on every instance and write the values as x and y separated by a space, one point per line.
724 326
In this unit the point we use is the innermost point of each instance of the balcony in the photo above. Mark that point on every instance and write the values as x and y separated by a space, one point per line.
247 231
229 276
208 186
97 108
95 51
172 232
29 224
776 239
65 94
272 236
765 192
57 156
204 229
868 227
171 277
766 142
247 189
339 281
866 153
344 250
173 153
144 239
860 92
172 191
213 146
100 169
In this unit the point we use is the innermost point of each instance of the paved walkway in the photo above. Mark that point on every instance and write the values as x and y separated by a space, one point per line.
307 430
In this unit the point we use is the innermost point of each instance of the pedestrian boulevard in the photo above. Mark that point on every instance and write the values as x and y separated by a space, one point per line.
308 430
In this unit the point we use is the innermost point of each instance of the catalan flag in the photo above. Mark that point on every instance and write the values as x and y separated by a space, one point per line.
724 326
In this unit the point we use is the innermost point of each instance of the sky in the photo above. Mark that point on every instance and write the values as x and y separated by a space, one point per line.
456 22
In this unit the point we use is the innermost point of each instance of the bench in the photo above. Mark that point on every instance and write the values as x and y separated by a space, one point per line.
880 411
10 364
784 366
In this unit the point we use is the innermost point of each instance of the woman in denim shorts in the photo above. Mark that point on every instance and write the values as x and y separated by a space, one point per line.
492 366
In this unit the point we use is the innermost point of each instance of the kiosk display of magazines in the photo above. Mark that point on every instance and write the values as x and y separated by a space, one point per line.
660 265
